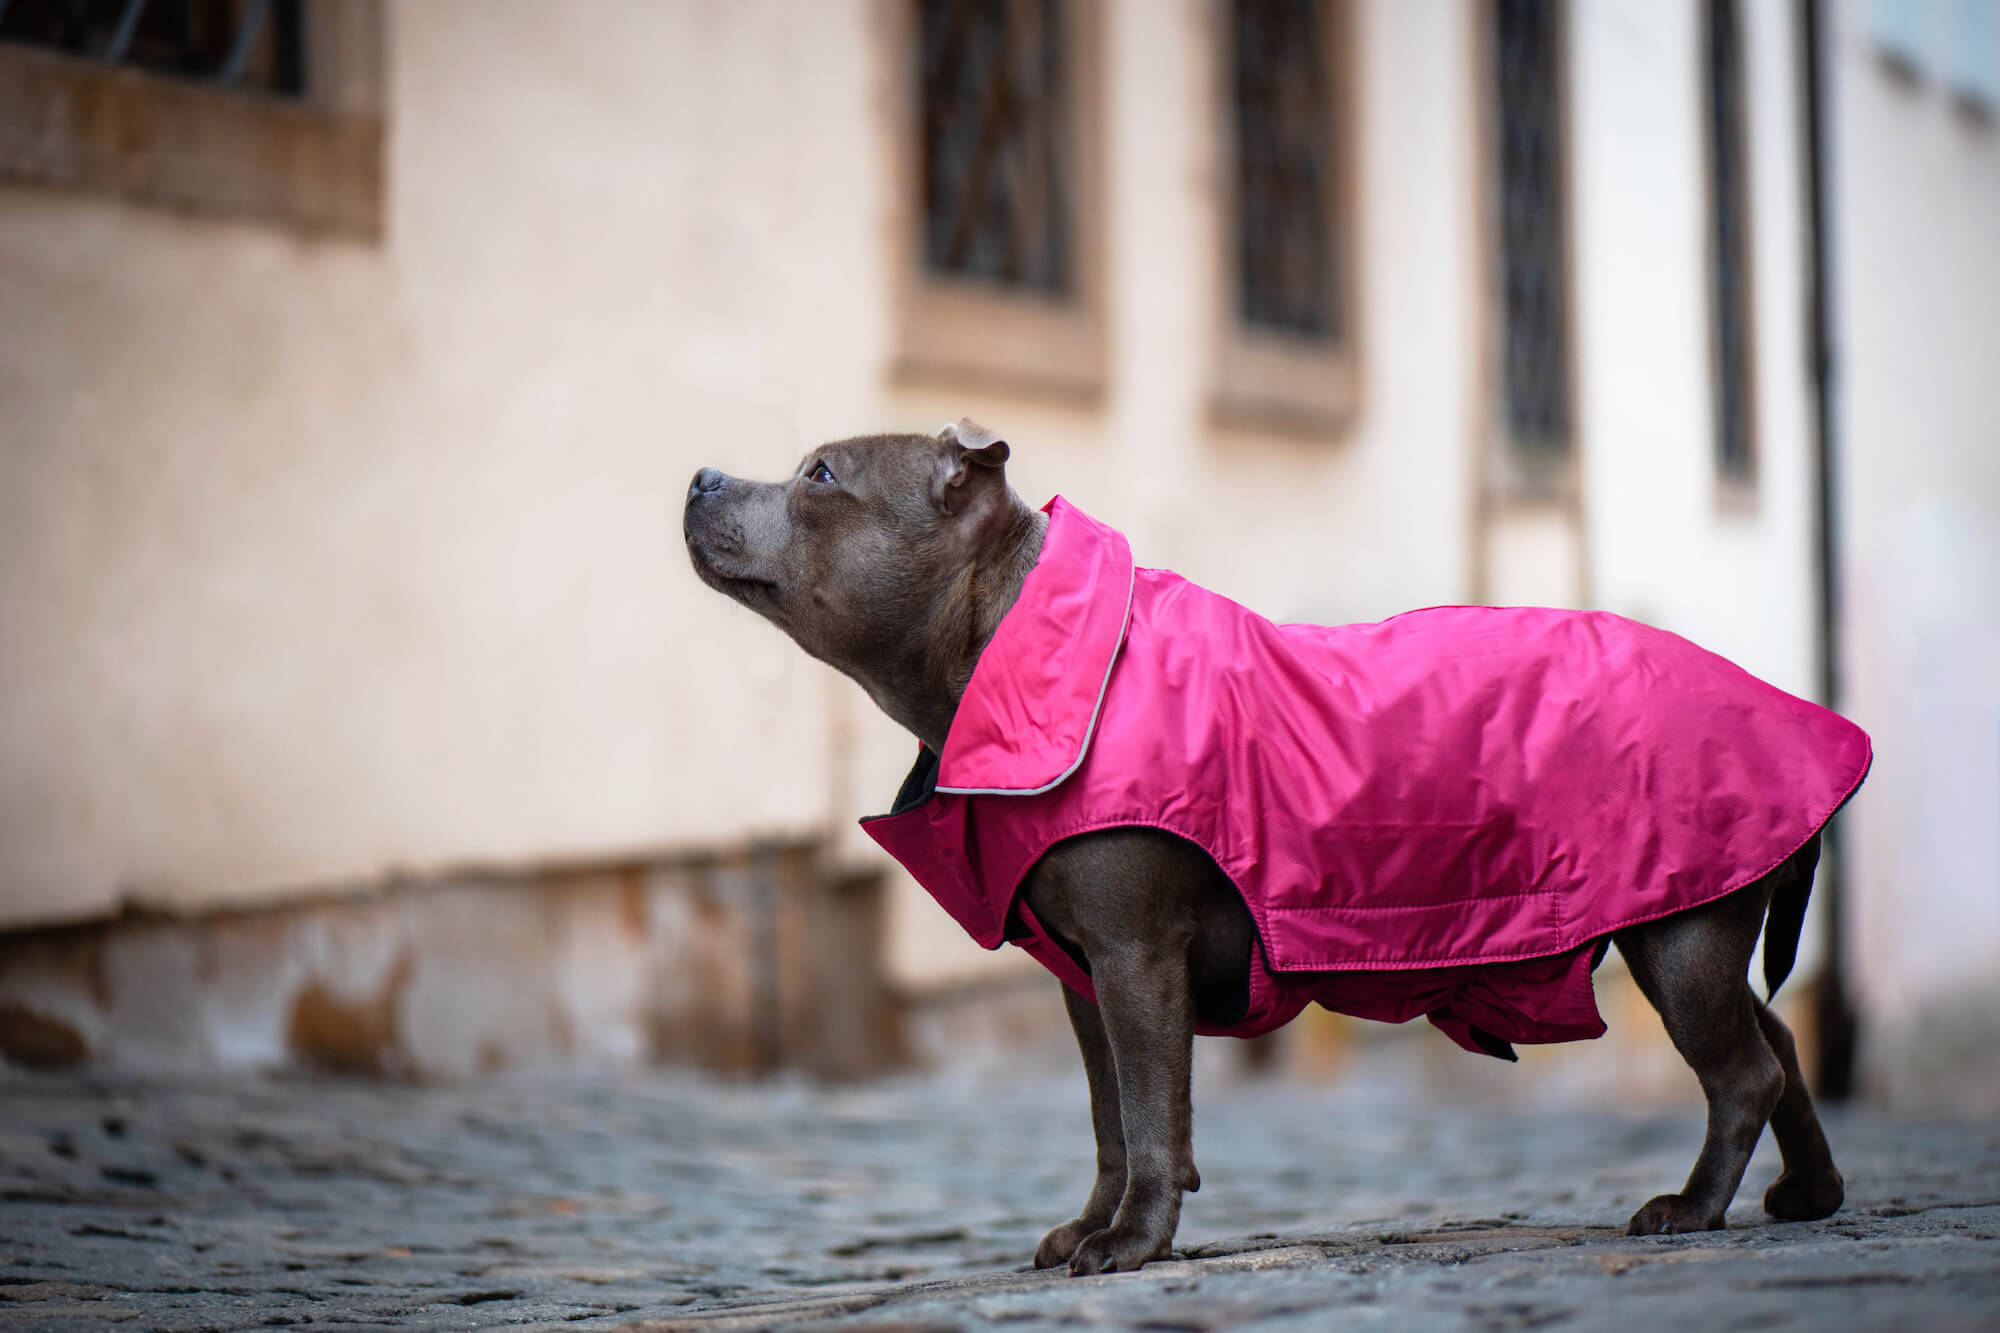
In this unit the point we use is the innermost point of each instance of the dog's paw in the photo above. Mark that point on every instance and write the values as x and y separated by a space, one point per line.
1060 1244
1805 1198
1114 1250
1672 1215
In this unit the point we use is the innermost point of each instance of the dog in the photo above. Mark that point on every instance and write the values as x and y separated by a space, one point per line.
1201 821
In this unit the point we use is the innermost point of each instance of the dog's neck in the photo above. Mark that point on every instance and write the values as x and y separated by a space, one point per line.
923 694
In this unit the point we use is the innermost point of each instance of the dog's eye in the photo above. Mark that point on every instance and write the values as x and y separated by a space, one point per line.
821 473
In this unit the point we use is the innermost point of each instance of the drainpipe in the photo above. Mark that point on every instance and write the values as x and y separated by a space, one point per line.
1835 1017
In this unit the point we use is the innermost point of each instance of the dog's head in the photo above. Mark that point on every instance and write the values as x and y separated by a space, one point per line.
860 553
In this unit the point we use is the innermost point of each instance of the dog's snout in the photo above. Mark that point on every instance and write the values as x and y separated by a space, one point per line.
706 482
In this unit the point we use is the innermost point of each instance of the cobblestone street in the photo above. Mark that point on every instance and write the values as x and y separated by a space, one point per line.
223 1203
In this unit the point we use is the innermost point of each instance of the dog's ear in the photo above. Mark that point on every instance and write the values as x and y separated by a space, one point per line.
971 465
982 444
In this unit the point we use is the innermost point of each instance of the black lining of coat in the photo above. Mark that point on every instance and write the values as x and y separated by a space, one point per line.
919 786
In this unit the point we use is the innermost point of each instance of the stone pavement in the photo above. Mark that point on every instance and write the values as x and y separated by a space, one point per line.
237 1202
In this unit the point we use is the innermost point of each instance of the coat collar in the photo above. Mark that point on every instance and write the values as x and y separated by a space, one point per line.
1027 716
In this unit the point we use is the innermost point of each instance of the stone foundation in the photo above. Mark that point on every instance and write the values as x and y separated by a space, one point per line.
741 964
744 963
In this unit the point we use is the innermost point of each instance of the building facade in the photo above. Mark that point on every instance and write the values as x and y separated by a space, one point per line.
348 410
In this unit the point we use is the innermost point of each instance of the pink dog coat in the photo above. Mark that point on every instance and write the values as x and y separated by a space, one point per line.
1446 813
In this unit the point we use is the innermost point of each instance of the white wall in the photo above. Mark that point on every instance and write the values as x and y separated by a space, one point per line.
1665 546
1917 194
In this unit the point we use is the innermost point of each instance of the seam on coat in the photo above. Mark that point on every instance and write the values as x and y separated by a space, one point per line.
1421 907
1562 925
1264 934
1272 957
1816 828
1401 965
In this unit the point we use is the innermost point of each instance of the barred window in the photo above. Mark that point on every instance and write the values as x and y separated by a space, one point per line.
1728 239
1289 322
266 109
1534 334
1287 275
995 112
253 44
999 201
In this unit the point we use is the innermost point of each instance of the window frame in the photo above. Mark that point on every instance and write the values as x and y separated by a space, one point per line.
1734 490
1265 378
1513 475
955 332
312 163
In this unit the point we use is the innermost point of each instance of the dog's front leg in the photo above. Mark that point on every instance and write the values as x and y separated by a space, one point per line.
1146 1008
1109 1187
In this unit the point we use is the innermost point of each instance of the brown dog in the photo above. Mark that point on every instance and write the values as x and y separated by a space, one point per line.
894 558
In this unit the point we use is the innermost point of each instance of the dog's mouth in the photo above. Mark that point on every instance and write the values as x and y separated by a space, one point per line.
742 587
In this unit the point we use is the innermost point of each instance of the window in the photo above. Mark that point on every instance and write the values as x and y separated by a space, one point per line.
257 108
1287 349
1284 168
1529 208
998 156
253 44
996 205
1728 241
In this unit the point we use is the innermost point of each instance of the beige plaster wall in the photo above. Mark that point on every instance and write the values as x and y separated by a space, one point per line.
319 559
323 560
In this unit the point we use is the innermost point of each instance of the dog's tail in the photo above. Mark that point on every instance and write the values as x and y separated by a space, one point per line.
1786 916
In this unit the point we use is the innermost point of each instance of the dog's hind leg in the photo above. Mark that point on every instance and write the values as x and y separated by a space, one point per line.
1810 1185
1692 966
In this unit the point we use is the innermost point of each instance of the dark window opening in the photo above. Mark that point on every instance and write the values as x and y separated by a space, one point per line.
1282 95
996 136
1728 239
1528 153
254 44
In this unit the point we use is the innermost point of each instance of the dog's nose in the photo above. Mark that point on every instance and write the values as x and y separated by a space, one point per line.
706 482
